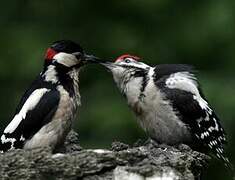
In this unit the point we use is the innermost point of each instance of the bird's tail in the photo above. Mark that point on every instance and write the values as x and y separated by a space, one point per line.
229 166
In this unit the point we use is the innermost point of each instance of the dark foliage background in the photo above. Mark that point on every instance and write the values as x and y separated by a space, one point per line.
198 32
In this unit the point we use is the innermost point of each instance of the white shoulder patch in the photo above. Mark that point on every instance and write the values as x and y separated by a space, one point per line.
183 81
188 82
31 102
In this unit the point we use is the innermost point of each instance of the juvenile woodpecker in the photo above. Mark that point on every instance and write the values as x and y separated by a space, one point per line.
169 103
46 110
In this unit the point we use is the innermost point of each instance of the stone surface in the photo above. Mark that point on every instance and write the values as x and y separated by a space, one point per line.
149 161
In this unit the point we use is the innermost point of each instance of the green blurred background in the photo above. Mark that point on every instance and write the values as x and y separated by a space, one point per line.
198 32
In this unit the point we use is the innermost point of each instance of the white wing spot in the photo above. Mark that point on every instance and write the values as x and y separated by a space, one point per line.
211 144
207 118
211 129
219 150
6 140
206 134
22 138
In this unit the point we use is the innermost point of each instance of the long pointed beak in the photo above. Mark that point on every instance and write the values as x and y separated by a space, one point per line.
90 58
109 65
93 59
87 59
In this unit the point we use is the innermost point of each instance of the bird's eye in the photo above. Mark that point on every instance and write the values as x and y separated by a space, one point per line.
127 60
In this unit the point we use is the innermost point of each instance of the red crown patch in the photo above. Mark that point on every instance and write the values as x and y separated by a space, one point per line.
50 54
123 57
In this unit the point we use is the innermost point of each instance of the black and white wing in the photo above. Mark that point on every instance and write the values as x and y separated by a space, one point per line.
181 88
32 113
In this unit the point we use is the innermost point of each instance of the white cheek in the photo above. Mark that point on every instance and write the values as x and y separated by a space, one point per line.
66 59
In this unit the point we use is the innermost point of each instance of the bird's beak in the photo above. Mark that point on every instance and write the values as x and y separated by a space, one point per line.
93 59
90 59
109 65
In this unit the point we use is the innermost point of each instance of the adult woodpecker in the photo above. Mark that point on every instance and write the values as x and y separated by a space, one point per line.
46 110
169 103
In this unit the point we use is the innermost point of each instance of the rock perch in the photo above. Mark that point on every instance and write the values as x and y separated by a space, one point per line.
150 161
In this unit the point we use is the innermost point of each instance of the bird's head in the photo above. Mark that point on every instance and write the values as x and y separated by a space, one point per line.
68 54
125 64
125 68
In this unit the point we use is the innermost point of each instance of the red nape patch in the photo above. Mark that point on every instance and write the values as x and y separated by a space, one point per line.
123 57
50 54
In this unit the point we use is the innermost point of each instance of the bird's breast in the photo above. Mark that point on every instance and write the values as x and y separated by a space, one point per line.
54 133
68 105
157 117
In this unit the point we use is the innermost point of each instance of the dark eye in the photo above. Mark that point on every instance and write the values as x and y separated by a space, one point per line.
127 61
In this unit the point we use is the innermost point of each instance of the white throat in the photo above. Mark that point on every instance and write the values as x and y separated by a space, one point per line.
129 86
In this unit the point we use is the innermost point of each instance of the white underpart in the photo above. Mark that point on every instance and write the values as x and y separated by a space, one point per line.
57 129
151 111
30 104
66 59
133 90
51 75
165 127
187 82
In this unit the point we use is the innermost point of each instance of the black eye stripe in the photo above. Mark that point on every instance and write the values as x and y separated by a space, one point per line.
130 67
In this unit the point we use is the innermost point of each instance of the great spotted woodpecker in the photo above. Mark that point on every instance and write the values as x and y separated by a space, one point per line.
169 103
46 110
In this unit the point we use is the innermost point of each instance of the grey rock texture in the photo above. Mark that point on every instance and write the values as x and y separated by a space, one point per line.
141 162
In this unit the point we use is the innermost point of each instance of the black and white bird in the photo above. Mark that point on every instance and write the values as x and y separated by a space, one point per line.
46 110
169 103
